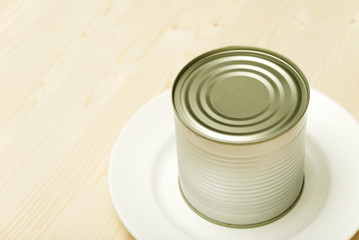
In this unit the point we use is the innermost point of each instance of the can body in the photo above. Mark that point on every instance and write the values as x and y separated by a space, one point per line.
241 185
244 165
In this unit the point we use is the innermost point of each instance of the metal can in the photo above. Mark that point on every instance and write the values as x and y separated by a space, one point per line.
240 116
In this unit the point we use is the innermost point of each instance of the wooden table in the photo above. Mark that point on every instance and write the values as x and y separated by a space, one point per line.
73 72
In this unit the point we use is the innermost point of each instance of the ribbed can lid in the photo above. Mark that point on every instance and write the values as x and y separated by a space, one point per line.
240 95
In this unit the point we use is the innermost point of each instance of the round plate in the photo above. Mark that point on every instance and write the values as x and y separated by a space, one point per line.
144 186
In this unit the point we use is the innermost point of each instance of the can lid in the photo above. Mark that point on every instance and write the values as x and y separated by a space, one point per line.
240 95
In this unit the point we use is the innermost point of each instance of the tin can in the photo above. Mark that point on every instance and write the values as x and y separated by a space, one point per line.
240 116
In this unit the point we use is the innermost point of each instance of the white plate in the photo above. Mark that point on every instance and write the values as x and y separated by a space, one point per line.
144 187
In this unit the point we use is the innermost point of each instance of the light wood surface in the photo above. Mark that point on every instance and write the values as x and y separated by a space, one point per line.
73 72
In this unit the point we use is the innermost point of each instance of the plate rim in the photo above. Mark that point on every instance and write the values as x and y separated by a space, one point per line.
127 125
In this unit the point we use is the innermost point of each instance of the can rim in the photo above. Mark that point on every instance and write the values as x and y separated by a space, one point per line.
252 225
289 64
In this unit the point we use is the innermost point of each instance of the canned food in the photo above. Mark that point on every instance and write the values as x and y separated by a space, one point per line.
240 116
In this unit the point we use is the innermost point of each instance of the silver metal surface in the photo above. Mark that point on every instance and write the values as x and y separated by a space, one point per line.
240 95
240 131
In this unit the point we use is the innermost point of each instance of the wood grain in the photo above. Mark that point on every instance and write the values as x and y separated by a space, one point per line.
73 72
